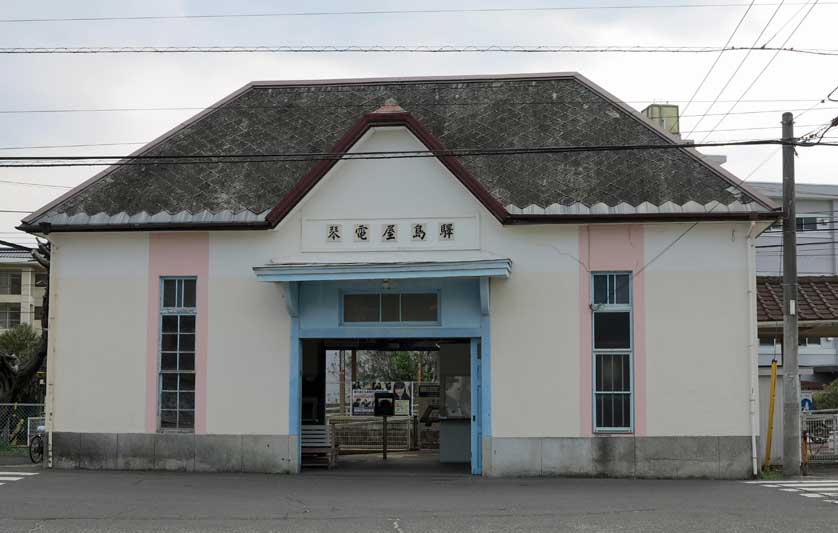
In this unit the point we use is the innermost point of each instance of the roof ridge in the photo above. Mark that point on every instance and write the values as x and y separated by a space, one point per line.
383 80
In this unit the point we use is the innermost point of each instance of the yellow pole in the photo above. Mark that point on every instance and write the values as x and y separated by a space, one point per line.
770 431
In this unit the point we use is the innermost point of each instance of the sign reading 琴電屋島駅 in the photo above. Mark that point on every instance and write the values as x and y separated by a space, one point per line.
452 233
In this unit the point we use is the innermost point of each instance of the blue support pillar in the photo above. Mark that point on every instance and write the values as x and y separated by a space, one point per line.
485 368
292 302
476 411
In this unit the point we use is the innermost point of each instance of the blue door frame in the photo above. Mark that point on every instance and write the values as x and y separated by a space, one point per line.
476 409
478 337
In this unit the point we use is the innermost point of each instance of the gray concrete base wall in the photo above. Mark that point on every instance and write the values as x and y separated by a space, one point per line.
620 456
176 451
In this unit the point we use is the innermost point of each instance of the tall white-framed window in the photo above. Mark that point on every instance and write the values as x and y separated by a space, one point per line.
178 314
613 376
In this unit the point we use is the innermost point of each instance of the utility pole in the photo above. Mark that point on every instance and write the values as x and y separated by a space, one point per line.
791 378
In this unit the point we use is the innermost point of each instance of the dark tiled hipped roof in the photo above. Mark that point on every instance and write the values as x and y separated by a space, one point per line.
305 117
817 298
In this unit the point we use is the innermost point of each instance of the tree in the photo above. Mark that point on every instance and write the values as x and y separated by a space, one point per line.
21 357
22 350
827 398
396 366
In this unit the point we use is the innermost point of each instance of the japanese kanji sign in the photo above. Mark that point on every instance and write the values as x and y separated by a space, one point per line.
419 232
379 234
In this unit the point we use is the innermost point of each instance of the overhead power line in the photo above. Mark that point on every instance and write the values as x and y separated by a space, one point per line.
798 244
537 9
718 57
773 127
47 146
432 49
777 150
765 67
137 143
739 66
419 105
32 184
787 22
108 160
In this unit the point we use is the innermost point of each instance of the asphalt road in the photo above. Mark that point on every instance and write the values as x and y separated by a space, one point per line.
393 502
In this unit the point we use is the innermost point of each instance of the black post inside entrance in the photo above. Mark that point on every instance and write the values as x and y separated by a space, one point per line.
384 438
384 406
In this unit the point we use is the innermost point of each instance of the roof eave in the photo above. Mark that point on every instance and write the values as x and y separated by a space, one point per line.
45 228
613 218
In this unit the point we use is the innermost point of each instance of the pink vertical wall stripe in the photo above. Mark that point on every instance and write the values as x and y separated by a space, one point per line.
177 254
610 248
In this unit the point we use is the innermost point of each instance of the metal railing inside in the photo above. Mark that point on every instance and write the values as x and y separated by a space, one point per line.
822 433
360 434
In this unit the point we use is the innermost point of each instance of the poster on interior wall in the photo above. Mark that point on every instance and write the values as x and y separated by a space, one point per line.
362 402
458 396
363 394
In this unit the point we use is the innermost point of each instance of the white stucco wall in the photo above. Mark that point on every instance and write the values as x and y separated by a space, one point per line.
535 333
99 291
698 363
249 339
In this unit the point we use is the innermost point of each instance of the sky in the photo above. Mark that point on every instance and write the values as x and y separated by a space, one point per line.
28 83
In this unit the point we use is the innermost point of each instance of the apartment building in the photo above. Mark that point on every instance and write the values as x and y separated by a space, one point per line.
817 255
22 285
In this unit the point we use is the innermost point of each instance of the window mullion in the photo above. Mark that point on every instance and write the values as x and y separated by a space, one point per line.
173 414
613 388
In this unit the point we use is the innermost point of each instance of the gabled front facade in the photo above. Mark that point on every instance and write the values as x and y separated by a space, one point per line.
178 342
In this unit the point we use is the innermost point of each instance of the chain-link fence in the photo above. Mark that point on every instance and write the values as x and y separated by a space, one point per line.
18 421
355 433
822 432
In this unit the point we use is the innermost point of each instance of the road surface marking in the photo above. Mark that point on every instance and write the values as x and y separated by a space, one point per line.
823 490
805 486
792 481
809 481
15 476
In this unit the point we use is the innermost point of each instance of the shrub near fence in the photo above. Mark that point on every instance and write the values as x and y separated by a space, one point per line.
14 426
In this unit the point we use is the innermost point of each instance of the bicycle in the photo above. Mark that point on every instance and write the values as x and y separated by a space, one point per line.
36 446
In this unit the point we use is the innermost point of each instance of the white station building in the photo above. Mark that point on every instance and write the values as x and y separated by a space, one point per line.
189 284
